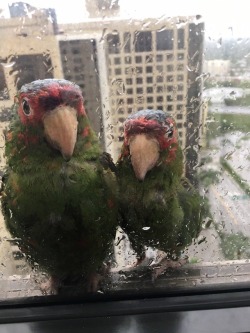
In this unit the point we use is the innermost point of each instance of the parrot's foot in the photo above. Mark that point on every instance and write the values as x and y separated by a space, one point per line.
50 286
94 282
95 278
140 260
164 264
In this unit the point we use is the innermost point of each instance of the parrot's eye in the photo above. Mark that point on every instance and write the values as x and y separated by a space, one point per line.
26 108
170 132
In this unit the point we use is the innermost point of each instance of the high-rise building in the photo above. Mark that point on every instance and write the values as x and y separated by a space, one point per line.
30 50
150 64
79 64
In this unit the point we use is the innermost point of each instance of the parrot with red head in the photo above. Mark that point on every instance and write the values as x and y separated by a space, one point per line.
159 208
58 199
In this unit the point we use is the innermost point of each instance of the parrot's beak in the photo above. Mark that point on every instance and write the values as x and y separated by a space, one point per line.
60 127
144 153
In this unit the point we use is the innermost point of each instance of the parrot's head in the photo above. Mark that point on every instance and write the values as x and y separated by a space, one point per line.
54 106
150 138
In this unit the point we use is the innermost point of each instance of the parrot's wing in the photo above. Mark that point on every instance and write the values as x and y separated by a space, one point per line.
193 207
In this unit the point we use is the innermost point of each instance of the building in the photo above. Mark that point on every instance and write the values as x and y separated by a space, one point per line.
155 64
30 52
218 68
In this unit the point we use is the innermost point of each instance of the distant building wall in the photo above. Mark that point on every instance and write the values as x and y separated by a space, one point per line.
217 67
142 66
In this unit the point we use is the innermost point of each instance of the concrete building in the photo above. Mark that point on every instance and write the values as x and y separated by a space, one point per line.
218 68
30 52
143 65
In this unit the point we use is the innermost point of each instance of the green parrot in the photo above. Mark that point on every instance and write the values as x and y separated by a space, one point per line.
159 207
58 200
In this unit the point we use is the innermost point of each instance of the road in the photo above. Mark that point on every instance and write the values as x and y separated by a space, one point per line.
222 108
230 205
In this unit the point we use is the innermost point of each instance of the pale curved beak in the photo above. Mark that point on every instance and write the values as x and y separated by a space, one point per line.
144 153
60 127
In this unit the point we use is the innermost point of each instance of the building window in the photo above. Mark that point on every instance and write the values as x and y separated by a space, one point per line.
150 100
149 69
179 116
180 56
129 81
164 40
169 98
130 110
139 80
159 89
120 111
159 57
170 57
129 91
170 88
149 79
139 70
170 78
79 77
139 90
170 108
159 68
180 77
117 61
75 51
180 67
118 71
120 101
159 99
113 43
170 68
130 101
179 107
180 39
128 60
180 87
77 69
138 59
143 41
149 90
159 107
159 79
149 58
77 60
127 42
179 97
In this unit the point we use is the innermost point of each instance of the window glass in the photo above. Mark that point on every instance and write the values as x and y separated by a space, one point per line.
102 198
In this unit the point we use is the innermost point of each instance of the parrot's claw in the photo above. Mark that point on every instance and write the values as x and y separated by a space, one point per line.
50 286
164 264
94 282
140 259
95 279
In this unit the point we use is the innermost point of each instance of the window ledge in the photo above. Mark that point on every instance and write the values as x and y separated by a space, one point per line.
189 276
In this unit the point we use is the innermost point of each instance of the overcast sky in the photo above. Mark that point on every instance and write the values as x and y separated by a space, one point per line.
222 17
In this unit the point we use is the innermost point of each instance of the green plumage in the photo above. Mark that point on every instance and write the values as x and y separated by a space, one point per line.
63 212
163 210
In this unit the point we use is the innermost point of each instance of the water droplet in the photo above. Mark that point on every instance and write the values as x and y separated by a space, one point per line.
145 228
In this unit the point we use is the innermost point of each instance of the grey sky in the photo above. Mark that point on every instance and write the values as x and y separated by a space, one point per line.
222 17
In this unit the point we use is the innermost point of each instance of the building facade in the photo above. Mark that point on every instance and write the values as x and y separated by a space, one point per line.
150 64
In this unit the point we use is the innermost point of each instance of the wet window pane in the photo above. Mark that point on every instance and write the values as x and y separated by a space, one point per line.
71 212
